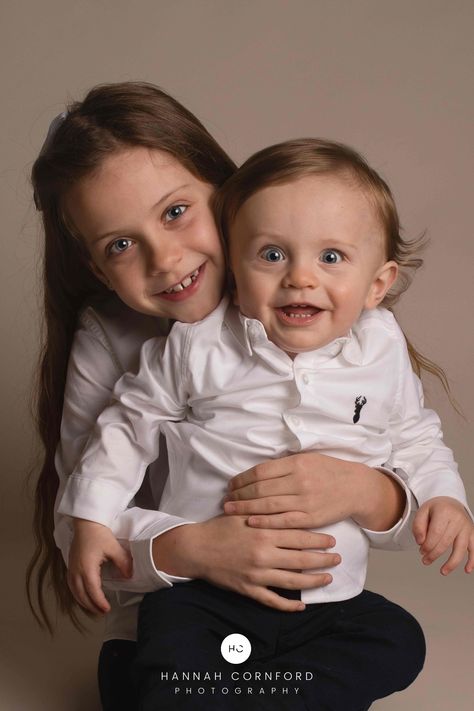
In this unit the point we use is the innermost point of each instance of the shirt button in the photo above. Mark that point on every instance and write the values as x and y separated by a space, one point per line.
305 378
295 421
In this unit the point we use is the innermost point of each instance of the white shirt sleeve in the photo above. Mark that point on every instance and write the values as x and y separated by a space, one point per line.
400 536
92 373
125 438
417 445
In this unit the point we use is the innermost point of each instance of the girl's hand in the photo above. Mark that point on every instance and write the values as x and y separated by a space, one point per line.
225 551
311 490
92 545
440 523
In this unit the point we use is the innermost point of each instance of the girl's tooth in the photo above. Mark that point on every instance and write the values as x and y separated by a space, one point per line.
185 283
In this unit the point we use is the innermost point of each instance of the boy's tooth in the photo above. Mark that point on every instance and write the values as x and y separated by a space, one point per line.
186 282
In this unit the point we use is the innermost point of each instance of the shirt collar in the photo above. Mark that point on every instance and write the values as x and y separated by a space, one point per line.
251 334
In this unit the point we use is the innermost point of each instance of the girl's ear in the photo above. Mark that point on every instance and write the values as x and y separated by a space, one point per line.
383 280
99 274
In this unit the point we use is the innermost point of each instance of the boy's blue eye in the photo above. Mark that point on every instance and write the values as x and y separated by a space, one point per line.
120 245
330 256
174 212
272 254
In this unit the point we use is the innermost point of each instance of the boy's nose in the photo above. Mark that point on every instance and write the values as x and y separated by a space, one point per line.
300 276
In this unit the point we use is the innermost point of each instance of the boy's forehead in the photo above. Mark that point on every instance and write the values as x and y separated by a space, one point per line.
322 203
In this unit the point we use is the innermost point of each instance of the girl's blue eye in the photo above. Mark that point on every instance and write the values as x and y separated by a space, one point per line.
120 245
272 254
174 212
330 256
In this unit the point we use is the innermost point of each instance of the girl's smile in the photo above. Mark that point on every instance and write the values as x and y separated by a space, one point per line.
150 233
185 288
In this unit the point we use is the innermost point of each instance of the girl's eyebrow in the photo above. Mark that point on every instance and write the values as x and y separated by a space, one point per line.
162 200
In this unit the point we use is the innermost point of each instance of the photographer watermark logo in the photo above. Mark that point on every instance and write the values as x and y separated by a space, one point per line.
236 648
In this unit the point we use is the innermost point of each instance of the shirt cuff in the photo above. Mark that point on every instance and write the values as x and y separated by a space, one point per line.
144 565
400 536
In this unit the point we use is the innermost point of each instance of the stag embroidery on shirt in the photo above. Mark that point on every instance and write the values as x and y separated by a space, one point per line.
359 404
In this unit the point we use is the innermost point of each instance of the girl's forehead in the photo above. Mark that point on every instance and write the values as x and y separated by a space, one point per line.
130 161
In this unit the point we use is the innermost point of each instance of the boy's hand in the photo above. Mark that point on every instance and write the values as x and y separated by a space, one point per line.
93 544
440 523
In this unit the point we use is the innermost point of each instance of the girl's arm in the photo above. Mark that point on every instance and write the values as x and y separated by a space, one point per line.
311 490
222 551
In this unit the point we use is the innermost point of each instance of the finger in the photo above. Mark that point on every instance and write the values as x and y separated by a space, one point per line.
305 560
93 587
291 580
458 552
436 530
420 525
272 599
278 486
289 519
266 470
77 587
263 505
441 546
469 567
295 539
121 559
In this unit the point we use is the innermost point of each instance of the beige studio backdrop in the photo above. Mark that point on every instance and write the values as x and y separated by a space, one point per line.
391 78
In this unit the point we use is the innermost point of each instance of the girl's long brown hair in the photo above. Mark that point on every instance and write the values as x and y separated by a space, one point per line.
111 118
291 160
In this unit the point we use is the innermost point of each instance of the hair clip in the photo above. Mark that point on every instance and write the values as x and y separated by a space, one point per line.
53 127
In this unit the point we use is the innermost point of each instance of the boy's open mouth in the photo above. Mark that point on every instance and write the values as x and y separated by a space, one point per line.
298 314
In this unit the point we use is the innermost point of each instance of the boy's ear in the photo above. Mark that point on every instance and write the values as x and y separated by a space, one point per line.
99 274
383 280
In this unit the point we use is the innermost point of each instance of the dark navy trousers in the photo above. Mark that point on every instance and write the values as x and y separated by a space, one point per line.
348 654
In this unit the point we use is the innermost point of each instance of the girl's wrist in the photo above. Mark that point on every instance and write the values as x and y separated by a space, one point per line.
177 551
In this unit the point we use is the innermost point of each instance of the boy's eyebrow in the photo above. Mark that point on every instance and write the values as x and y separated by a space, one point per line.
163 199
325 242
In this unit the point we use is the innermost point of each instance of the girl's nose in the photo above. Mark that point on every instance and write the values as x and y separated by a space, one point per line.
300 276
164 257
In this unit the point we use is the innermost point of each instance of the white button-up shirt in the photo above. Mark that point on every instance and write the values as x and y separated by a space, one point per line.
227 398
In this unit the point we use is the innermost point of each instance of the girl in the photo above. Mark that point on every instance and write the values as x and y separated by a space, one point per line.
124 183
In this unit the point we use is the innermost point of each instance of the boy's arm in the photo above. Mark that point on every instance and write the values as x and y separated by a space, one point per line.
125 438
417 445
444 518
92 373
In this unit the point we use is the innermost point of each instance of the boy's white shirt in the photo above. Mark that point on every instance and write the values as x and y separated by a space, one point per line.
200 364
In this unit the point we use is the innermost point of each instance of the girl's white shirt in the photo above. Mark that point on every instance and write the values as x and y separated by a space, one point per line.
107 344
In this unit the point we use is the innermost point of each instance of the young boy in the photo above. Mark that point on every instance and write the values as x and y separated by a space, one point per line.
306 361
